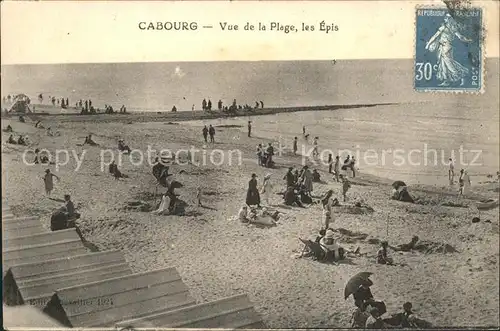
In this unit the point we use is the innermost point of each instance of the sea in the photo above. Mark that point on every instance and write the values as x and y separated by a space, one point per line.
410 139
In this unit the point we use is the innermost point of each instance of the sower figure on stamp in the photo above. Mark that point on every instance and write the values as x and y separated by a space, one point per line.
449 70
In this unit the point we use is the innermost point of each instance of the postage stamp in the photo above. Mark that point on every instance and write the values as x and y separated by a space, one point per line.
448 49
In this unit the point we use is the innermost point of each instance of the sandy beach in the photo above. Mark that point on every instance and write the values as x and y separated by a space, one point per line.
218 256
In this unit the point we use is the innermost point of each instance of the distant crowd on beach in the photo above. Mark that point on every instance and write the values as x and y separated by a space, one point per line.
207 106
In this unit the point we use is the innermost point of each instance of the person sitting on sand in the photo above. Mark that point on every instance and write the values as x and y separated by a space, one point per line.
359 315
316 177
122 147
59 219
163 205
89 141
405 319
322 233
11 140
118 174
70 208
242 214
291 198
374 321
305 196
8 129
21 141
112 167
21 119
331 248
407 247
382 254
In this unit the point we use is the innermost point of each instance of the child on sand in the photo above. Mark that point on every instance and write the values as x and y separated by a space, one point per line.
49 182
382 256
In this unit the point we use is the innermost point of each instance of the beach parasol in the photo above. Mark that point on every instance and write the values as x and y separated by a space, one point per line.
356 281
397 184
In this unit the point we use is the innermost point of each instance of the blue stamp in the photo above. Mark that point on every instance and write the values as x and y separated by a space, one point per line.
448 50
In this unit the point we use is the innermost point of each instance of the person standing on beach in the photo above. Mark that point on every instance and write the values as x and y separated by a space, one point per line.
346 185
249 129
211 132
464 182
303 130
253 196
262 104
204 104
295 146
315 152
290 178
219 105
451 171
205 133
267 187
192 108
330 163
336 168
209 105
49 181
353 162
306 179
269 155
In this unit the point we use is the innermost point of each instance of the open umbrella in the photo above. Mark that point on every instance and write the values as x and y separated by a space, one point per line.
356 281
397 184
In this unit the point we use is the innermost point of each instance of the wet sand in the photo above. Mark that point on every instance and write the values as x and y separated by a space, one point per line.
218 256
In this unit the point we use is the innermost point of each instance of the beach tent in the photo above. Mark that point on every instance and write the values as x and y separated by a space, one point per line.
20 104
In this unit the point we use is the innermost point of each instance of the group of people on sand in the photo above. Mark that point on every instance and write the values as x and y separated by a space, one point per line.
208 131
368 313
207 106
463 180
20 140
265 155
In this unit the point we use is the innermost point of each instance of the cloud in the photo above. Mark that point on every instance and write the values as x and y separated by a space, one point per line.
178 72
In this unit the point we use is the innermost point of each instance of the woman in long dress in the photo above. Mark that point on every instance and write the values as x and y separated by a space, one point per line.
449 70
253 196
307 179
49 181
267 188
